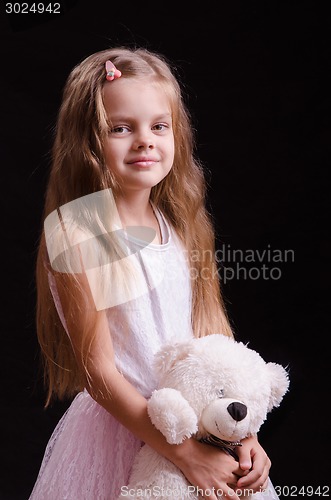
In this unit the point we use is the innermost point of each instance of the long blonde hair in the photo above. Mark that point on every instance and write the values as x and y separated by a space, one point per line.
78 169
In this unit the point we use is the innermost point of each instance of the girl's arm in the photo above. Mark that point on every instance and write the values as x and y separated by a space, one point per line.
204 466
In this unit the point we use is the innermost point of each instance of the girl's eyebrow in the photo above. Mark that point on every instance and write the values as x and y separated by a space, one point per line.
119 118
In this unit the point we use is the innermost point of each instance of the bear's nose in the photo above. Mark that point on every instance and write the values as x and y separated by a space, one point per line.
238 411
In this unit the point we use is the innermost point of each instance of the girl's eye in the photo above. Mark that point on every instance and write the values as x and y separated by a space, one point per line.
121 129
160 127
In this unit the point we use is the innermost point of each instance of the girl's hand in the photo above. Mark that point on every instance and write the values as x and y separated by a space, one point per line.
254 464
212 471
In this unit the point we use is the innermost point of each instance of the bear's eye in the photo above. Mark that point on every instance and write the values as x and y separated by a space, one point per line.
220 393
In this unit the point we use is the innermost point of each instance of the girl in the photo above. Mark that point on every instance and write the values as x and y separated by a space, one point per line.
110 291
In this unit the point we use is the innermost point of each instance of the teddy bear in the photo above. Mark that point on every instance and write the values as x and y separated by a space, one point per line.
215 389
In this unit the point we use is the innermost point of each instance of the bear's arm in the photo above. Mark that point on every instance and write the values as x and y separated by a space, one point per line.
171 414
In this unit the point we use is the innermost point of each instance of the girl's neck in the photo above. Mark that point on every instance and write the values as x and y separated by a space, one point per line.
136 210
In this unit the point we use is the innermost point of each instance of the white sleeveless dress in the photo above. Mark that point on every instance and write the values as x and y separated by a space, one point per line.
90 454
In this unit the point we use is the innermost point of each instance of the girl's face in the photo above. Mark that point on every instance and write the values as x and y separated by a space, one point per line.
139 149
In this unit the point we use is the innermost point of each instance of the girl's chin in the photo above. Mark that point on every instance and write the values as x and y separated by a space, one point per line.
141 184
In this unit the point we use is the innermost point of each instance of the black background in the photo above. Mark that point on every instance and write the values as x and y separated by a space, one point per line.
256 78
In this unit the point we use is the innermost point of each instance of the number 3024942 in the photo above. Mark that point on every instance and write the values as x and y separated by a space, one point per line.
35 8
302 491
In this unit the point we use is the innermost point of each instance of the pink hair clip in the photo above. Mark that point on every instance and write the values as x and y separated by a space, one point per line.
112 72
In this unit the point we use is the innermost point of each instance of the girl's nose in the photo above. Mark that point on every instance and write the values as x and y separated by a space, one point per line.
144 140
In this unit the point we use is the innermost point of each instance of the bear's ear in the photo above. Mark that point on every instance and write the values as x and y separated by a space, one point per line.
170 354
279 382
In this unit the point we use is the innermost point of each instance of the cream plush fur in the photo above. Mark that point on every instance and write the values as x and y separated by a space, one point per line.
208 386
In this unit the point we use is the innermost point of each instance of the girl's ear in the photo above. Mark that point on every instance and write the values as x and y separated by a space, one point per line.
170 354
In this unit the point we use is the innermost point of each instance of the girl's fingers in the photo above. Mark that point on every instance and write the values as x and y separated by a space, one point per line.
244 457
253 481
